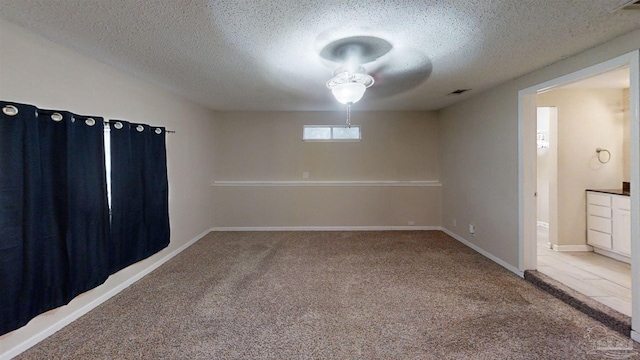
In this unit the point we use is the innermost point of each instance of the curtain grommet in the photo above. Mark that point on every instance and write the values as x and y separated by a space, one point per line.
158 131
118 125
90 121
10 110
56 117
140 128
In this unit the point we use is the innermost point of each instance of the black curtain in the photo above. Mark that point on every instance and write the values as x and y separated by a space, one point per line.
57 238
54 220
139 193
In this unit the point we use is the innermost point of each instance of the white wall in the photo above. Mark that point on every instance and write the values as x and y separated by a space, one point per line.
38 72
268 146
587 119
479 154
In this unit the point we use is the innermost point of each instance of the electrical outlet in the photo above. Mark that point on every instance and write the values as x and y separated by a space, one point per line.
305 175
472 230
455 223
411 222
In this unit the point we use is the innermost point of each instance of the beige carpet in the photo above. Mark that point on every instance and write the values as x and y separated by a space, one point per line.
332 295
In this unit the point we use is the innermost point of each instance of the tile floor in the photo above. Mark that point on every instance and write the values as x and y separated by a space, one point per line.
603 279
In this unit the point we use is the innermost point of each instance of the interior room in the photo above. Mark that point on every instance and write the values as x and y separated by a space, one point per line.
339 184
574 122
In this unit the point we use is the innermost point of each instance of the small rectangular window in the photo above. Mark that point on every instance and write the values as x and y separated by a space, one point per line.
346 133
317 133
331 133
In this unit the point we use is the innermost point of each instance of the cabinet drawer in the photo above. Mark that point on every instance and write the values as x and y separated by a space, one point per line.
598 199
622 202
599 239
601 211
599 224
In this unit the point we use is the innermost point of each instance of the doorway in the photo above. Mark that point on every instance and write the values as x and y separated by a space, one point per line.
594 114
528 103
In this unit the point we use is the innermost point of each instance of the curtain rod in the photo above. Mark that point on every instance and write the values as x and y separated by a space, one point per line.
106 123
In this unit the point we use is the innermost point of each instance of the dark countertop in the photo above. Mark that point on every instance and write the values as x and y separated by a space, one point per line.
611 191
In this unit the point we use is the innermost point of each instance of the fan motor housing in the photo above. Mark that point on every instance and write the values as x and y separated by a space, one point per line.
361 49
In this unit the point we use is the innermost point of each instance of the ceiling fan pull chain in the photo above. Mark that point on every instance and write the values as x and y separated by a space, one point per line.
349 115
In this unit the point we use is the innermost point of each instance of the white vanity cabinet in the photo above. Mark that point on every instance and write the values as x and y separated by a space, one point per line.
609 225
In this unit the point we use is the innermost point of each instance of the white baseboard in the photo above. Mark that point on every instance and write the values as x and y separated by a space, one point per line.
323 228
31 341
635 336
570 248
491 257
612 255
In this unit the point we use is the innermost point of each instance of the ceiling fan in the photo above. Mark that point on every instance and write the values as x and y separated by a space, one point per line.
394 70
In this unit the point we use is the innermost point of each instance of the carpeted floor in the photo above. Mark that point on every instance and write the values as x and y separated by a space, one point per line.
332 295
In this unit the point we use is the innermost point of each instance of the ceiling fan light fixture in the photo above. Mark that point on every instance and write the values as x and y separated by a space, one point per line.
349 83
350 92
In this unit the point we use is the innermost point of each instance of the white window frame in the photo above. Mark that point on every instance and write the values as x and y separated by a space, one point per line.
332 127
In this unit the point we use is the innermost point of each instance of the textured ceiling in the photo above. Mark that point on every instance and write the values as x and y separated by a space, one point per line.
264 55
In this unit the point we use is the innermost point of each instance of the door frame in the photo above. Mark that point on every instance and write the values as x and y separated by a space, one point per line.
553 176
527 177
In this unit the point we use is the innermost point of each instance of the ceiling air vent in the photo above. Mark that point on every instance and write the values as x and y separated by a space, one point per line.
459 91
629 5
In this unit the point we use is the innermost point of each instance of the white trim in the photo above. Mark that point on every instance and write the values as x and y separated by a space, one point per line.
634 140
543 224
33 340
613 255
576 76
569 248
330 183
484 253
323 228
635 336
